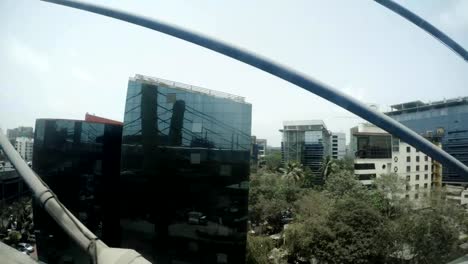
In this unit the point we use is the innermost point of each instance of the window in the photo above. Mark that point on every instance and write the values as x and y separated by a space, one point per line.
225 170
408 149
466 196
335 145
408 187
196 127
363 177
426 158
171 98
408 178
417 158
408 168
426 176
425 186
374 147
395 144
364 166
426 167
425 194
195 158
417 167
407 196
417 177
408 159
416 186
416 196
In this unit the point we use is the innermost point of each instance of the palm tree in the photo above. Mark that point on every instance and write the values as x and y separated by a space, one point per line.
329 166
293 171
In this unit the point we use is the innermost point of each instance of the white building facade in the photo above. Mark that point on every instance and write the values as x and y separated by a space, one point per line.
262 147
377 152
24 146
338 145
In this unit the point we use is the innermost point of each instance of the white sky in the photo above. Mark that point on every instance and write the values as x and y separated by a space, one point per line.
60 62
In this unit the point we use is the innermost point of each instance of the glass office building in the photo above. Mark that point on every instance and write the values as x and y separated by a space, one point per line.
306 142
80 163
184 172
447 120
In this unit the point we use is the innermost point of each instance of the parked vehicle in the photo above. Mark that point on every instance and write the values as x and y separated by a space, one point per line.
25 247
196 218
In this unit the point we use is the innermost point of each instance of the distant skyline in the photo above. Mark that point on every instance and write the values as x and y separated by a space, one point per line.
58 62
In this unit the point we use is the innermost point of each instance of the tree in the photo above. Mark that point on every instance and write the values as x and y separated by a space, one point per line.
430 236
293 171
270 200
273 161
346 222
328 167
388 195
347 234
343 183
18 217
258 249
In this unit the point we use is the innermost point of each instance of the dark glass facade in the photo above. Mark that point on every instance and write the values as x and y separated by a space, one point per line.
184 172
374 147
80 162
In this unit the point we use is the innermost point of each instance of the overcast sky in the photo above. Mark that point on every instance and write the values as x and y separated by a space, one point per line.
59 62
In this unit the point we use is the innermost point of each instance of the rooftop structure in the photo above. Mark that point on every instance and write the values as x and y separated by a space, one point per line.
303 125
102 120
186 87
417 106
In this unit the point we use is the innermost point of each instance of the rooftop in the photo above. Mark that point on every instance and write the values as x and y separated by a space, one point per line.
368 129
98 119
415 106
303 123
187 87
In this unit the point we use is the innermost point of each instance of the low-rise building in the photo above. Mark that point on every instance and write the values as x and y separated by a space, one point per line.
262 147
12 185
24 146
377 152
21 131
457 193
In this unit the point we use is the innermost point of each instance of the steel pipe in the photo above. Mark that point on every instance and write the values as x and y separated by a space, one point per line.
426 26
